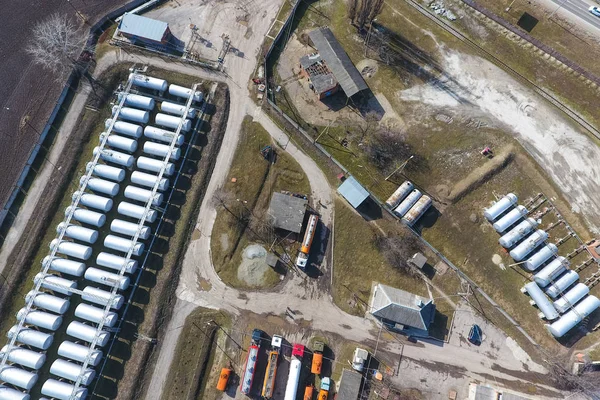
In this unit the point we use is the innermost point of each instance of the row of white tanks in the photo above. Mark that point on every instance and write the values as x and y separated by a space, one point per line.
47 308
408 203
554 289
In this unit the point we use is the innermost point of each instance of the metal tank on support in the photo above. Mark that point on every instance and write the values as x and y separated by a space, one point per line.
162 135
100 185
63 391
78 232
64 266
169 121
143 195
132 114
407 203
121 244
517 233
186 93
93 201
31 337
399 195
562 283
72 372
120 142
48 302
510 219
551 271
541 301
137 101
107 278
78 352
102 297
87 333
7 393
148 82
96 315
417 211
576 315
154 165
149 180
524 248
498 208
125 128
161 150
18 377
71 249
106 171
571 298
27 358
115 157
177 109
129 229
135 211
41 319
115 262
87 216
540 257
55 283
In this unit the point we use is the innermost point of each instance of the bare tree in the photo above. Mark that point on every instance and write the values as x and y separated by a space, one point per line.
397 250
56 44
386 147
365 12
352 6
261 226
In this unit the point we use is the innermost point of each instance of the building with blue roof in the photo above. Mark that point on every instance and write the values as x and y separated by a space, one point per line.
148 31
353 192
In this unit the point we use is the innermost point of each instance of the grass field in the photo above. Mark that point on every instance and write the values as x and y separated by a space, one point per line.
255 181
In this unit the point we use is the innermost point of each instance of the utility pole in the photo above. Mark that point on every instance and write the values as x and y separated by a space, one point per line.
400 168
326 129
557 8
80 15
507 9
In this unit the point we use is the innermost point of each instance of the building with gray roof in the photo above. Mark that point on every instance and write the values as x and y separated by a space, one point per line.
349 385
402 310
353 192
146 30
321 78
287 211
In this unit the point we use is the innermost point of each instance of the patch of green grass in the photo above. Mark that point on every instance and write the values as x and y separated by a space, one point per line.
255 181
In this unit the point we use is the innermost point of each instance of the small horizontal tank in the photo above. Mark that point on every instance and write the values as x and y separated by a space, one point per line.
31 337
102 297
63 391
154 165
169 121
78 352
115 262
115 157
121 244
64 266
78 232
149 180
87 216
163 135
89 200
161 150
107 278
131 114
125 128
136 211
87 333
143 195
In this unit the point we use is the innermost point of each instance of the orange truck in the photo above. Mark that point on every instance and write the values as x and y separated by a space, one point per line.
317 359
223 379
308 392
309 235
324 392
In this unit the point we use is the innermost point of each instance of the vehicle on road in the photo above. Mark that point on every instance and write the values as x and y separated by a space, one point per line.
595 10
309 235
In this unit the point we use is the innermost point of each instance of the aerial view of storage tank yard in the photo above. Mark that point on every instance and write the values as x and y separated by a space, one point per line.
297 200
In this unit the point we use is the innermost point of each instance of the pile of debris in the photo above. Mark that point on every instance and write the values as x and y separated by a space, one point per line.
439 8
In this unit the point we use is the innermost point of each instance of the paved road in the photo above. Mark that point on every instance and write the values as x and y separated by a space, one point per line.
579 8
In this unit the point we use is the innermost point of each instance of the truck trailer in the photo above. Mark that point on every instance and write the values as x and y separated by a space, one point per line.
291 387
269 382
250 366
309 235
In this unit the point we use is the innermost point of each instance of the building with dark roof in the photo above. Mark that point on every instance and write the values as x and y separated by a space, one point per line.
287 211
349 385
148 31
322 80
402 310
337 61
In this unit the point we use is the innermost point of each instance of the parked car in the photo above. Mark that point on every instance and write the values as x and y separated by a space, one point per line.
475 335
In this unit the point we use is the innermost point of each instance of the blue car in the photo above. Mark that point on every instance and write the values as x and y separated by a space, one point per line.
475 335
595 10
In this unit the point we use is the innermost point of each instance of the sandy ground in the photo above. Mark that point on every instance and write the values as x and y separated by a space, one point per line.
569 157
253 267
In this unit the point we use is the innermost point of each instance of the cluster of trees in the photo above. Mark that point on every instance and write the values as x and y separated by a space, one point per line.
397 250
363 12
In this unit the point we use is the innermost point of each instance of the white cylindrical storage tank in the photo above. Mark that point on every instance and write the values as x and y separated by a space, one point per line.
71 249
417 211
541 301
63 391
41 319
177 109
132 114
71 371
31 337
148 82
500 206
55 283
571 298
169 121
137 101
87 333
143 195
48 301
407 203
18 377
148 180
116 262
540 257
129 228
95 315
120 142
399 195
78 352
181 91
121 244
78 232
87 217
510 218
7 393
562 283
115 157
162 135
94 201
107 278
551 271
528 245
518 232
27 358
107 172
135 211
102 297
125 128
65 266
101 185
573 317
153 165
161 150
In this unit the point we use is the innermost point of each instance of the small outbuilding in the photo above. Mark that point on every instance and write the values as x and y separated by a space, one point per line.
349 385
353 192
148 31
287 211
322 80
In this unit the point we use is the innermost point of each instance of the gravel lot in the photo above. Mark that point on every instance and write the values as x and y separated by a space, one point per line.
27 90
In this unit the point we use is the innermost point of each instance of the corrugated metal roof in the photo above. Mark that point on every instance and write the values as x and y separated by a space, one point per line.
287 211
143 27
338 61
353 191
402 307
349 385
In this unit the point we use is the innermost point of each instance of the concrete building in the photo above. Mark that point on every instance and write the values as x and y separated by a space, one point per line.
287 211
322 80
145 31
